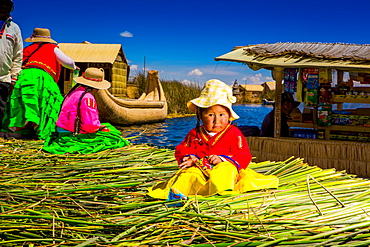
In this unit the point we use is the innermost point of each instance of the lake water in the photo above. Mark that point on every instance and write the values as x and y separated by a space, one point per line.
173 130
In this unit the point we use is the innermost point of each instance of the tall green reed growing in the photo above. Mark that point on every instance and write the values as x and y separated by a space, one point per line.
177 93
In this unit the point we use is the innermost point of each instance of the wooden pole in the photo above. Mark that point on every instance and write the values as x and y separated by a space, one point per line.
68 84
339 81
278 75
144 67
339 76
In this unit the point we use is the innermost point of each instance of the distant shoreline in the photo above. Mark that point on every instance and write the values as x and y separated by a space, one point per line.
179 115
193 114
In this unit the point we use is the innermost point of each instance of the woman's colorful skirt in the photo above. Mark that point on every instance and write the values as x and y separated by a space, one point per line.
66 142
34 103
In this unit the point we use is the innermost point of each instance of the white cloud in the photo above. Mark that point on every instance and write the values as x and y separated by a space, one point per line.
256 79
195 72
268 78
133 67
126 34
253 79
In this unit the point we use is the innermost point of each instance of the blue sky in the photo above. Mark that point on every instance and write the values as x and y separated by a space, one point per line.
180 39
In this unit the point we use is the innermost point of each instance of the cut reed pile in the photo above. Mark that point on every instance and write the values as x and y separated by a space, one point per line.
99 200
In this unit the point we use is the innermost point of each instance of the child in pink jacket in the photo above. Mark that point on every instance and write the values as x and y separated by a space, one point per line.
80 102
78 126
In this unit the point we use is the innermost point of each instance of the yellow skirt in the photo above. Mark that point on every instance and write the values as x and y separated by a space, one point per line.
223 178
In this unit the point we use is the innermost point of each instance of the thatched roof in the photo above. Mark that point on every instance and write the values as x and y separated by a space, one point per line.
350 57
252 88
352 52
93 53
270 84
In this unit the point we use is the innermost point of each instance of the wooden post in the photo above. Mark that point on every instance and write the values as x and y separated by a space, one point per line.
339 81
278 76
67 84
339 76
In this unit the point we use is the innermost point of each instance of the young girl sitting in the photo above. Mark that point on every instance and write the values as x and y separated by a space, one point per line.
214 156
78 127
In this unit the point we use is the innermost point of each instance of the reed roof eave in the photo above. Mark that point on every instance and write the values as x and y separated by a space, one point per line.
257 57
93 53
251 87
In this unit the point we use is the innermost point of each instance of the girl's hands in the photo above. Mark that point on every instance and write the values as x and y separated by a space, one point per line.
188 161
214 159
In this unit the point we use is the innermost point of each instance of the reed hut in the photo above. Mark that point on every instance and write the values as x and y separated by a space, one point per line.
268 87
352 156
110 57
249 93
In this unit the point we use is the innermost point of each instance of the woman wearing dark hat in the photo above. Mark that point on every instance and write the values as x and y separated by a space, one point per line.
268 125
36 99
78 127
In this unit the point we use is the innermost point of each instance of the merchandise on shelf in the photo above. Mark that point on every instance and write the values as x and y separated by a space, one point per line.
324 113
295 115
325 93
350 136
350 119
341 90
311 98
290 80
351 94
321 134
304 133
313 78
316 90
363 78
325 76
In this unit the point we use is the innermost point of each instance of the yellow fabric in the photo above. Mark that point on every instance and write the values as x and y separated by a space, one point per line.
187 181
299 94
224 179
190 181
252 180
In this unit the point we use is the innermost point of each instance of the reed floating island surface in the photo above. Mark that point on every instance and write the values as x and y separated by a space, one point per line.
99 200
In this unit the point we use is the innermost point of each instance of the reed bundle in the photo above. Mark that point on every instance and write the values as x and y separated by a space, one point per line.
99 200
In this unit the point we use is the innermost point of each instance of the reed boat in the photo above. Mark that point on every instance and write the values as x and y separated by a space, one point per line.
150 107
267 102
115 105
